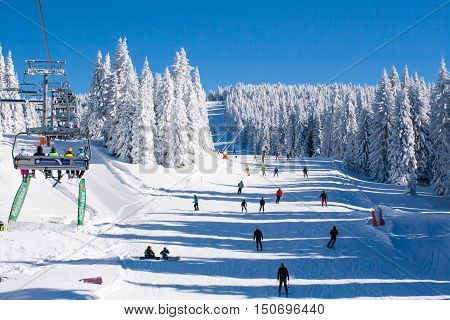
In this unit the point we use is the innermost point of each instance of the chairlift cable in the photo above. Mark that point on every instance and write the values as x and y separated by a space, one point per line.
44 31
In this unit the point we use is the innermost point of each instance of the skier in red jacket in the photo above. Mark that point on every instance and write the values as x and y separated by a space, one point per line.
279 194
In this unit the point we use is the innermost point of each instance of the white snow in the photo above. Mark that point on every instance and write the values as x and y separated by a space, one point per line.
44 255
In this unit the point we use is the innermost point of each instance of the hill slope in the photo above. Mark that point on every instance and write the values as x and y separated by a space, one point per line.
44 255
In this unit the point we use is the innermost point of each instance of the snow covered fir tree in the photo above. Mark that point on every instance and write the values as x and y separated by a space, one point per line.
14 117
147 120
394 132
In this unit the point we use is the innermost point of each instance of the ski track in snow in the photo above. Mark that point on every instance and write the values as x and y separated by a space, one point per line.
406 259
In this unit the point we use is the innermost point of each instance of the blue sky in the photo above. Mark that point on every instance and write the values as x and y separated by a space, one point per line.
232 41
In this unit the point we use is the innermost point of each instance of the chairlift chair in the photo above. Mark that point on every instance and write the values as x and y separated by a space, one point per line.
46 163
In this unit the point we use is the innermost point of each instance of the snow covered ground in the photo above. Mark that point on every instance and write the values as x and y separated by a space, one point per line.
44 255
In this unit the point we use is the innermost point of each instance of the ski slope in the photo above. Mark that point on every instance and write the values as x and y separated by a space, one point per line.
44 255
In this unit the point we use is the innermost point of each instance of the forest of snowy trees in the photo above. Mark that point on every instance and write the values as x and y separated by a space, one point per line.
396 132
146 120
14 118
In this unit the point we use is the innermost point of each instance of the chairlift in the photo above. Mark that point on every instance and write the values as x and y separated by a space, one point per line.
48 97
48 163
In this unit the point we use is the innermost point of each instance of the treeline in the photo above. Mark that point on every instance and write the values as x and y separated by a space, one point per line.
146 119
396 132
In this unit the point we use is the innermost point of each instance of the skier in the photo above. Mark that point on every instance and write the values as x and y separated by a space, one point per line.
324 197
23 172
275 172
277 155
247 169
278 194
165 254
196 203
288 156
240 186
39 153
283 278
262 203
149 253
81 154
69 154
53 153
2 226
263 158
244 206
255 158
263 170
258 237
305 172
333 233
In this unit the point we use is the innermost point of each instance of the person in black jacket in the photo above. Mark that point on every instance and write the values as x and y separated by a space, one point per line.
244 206
333 233
149 253
165 253
283 278
258 237
39 153
262 203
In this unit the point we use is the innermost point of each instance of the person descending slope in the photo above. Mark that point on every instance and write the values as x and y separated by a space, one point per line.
305 172
196 203
278 194
283 278
333 233
258 237
165 253
324 197
277 155
262 203
149 253
263 170
244 206
275 172
240 186
247 170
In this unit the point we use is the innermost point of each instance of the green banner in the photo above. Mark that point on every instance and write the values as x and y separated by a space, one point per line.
19 200
81 201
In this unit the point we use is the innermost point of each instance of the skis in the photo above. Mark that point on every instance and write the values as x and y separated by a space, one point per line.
58 180
159 258
173 258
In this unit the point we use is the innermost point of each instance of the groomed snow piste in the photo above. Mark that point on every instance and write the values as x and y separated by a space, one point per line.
44 255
